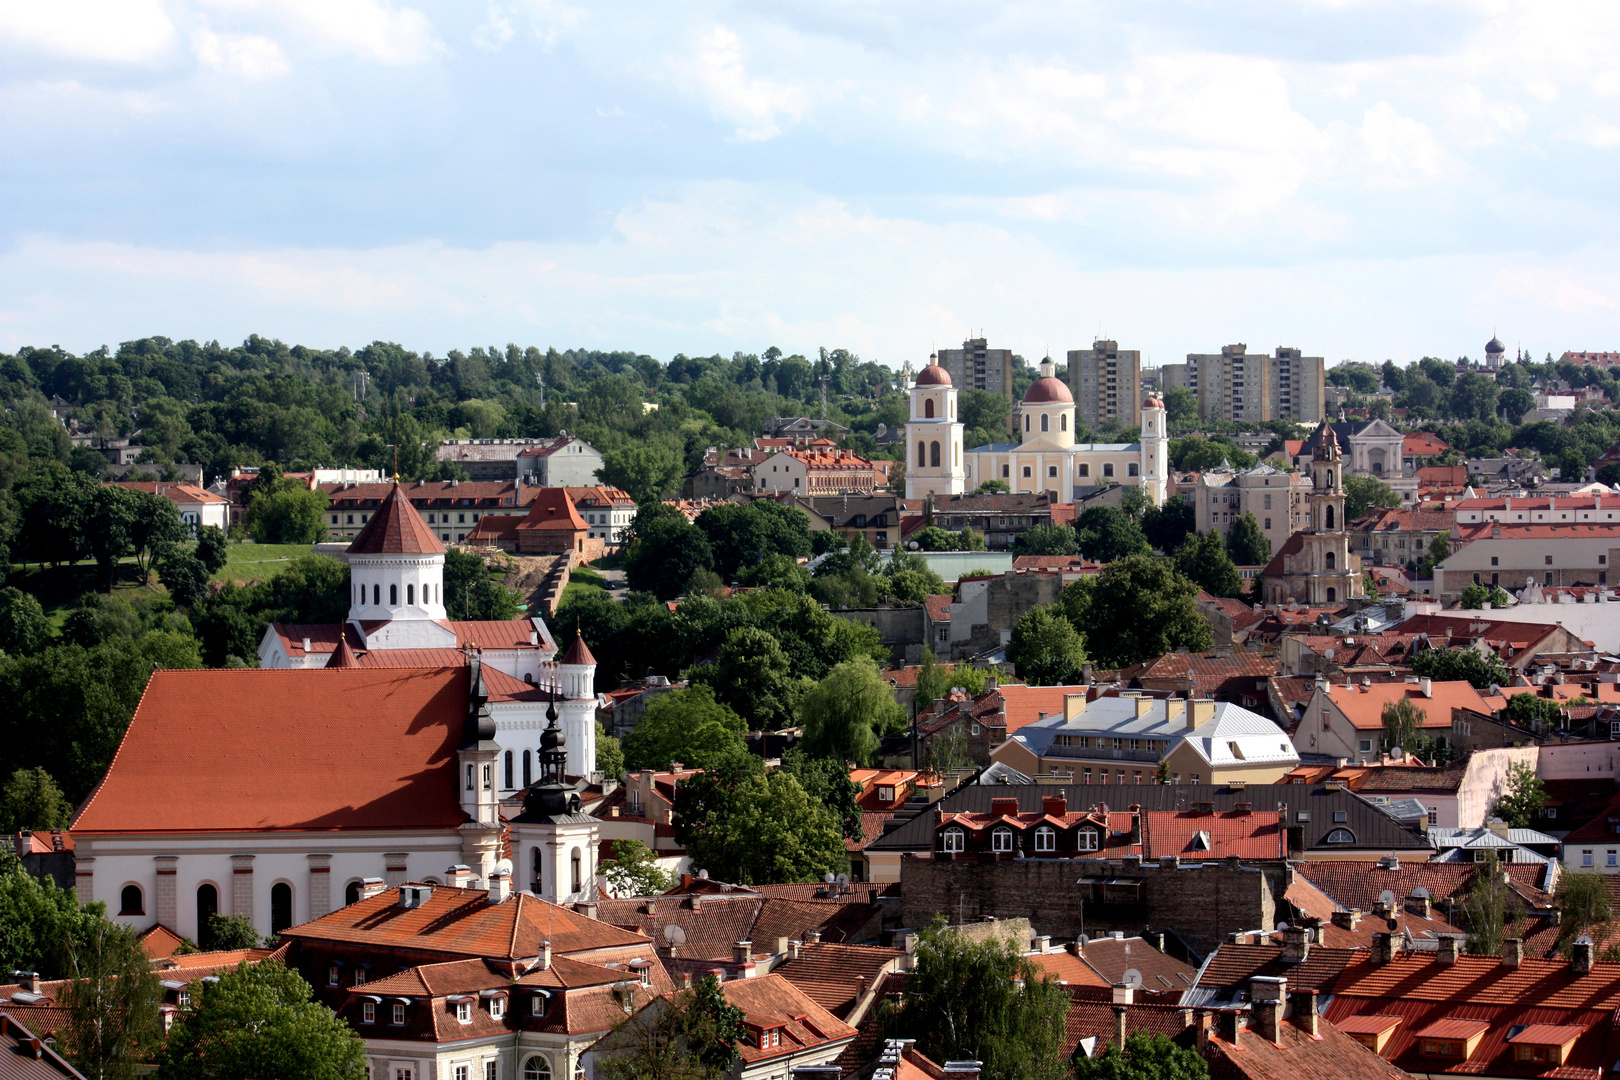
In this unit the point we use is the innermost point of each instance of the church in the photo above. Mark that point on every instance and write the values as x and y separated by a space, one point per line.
1315 567
1046 459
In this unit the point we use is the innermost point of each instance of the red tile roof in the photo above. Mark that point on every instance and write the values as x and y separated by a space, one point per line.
1296 1055
1253 835
228 750
1363 706
578 652
833 975
773 1001
396 529
1356 883
175 493
552 509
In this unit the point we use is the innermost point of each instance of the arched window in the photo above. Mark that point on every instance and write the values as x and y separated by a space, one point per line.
928 408
536 1068
376 594
1330 478
207 906
528 775
922 455
1063 422
1328 560
281 911
953 840
1108 468
1045 838
351 893
933 454
410 594
1083 470
574 871
1328 517
1133 469
1001 840
1340 836
538 863
1044 422
1026 421
393 596
1088 837
508 763
129 901
1332 594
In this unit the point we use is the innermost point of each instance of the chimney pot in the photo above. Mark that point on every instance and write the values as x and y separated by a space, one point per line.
500 887
1447 956
1580 957
1306 1016
1512 952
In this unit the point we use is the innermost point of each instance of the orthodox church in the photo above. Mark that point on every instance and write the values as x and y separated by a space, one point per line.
1046 459
1315 567
397 619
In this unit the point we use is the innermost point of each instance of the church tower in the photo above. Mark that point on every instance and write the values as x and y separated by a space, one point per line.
553 841
1155 450
576 700
396 566
934 437
476 754
1335 574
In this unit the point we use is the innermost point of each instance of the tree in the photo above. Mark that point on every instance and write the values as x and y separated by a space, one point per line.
1583 902
935 680
1482 670
24 629
289 515
31 800
1487 907
992 487
646 471
686 725
1203 559
827 781
983 1000
155 527
40 924
1403 727
211 549
844 714
185 577
472 593
1364 493
229 932
609 753
1439 552
1514 402
634 870
1147 1056
692 1035
1246 544
1475 597
1045 649
1529 709
744 825
1136 609
1180 406
109 521
664 551
1047 540
260 1020
1104 535
1525 795
1167 525
753 676
776 572
111 1004
742 535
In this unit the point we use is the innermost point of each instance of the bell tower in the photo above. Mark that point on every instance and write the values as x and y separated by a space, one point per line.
481 833
934 437
554 843
1334 573
1155 451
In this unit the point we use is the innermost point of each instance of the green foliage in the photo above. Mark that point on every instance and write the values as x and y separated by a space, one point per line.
1047 540
826 780
645 471
472 592
1530 709
230 623
1439 552
109 522
1146 1057
31 800
40 924
1488 906
983 1001
1045 648
1403 727
111 1004
229 932
24 630
155 528
1104 534
1195 453
1481 670
211 550
1246 543
260 1020
1166 526
664 552
992 487
1203 559
690 1036
687 725
1584 904
1136 609
844 714
289 515
609 753
1475 597
934 538
744 825
742 535
1180 406
1364 493
775 572
753 676
634 870
185 577
1521 803
935 680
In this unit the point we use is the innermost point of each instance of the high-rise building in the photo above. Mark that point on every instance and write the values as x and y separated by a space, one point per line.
1234 384
976 366
1107 384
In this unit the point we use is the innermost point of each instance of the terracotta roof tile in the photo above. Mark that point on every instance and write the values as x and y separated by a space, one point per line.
1356 883
832 975
396 528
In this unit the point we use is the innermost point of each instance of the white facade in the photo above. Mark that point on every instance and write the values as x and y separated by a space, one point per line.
385 588
1051 461
934 438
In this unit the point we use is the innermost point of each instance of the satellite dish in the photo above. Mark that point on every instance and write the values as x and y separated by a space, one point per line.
842 879
674 935
1421 892
1386 897
1133 977
828 878
1282 926
1584 939
703 875
1082 941
1397 753
504 867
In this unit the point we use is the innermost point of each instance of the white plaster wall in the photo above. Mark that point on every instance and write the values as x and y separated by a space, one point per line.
1577 761
1485 782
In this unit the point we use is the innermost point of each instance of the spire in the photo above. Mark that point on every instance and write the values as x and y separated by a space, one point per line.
343 655
396 529
552 796
578 652
479 724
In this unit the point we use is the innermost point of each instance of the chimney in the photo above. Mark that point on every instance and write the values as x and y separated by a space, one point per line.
1296 944
1230 1026
1512 952
1580 956
860 987
1347 920
306 644
544 963
1055 805
500 886
794 949
1144 705
28 980
1447 956
1306 1016
1268 1020
1421 906
1426 687
1124 994
1073 705
961 1070
1136 828
782 944
1043 944
742 952
458 876
1385 946
812 937
1201 1022
370 887
1119 1025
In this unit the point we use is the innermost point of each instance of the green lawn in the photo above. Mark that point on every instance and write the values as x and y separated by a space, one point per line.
255 562
586 576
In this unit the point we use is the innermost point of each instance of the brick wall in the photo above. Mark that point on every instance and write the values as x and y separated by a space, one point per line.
1201 902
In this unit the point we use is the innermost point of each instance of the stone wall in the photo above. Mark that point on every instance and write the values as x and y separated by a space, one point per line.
997 610
1202 902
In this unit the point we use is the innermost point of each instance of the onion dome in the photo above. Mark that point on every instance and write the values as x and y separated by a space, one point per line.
933 375
1494 346
1152 402
1048 390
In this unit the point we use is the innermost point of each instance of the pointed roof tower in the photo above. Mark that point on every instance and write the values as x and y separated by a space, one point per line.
396 529
343 655
578 652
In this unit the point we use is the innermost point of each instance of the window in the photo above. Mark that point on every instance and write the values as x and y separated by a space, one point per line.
281 907
1612 857
368 1012
351 893
1434 816
1133 469
1108 468
537 1005
928 408
1548 559
129 901
1045 838
953 840
464 1012
1044 422
1268 502
393 596
403 1074
1084 470
399 1012
1063 422
1088 839
1027 472
1327 560
1086 777
463 1072
497 1008
526 770
1586 858
359 976
1340 836
1026 421
922 456
334 975
1192 778
1493 560
492 1069
1001 840
1340 817
1366 746
507 769
489 776
574 864
1051 471
1006 472
1268 523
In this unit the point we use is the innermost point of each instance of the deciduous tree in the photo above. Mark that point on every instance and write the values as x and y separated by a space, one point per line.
1045 649
31 800
686 725
634 870
111 1003
1246 543
1364 493
1136 609
1481 670
1525 796
1203 559
844 714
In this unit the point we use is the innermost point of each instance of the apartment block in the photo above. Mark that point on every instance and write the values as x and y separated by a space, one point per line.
1234 384
1107 384
976 366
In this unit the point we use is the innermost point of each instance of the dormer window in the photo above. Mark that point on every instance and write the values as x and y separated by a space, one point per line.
399 1013
1045 838
1340 836
334 975
368 1012
1001 840
464 1012
497 1008
885 793
1088 839
183 999
537 1005
954 841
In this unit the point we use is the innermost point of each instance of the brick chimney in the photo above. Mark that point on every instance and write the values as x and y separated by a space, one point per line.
1346 920
742 952
1580 957
544 963
1306 1016
1119 1026
1384 947
1512 952
1055 805
1447 956
1124 994
1268 992
1421 906
1296 944
1229 1026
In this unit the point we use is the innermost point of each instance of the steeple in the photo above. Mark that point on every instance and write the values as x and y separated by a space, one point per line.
396 529
479 725
553 795
396 566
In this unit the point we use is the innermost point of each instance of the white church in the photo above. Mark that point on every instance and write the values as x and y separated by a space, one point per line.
399 746
1045 460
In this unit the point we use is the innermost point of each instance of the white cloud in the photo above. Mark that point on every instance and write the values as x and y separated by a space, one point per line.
496 29
1400 151
753 104
247 56
372 29
124 31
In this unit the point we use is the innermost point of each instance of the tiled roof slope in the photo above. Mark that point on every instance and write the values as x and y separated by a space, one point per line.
1357 883
833 976
25 1056
773 1000
396 529
1296 1055
227 750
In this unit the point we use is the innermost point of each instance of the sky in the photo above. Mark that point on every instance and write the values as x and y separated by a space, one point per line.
1363 180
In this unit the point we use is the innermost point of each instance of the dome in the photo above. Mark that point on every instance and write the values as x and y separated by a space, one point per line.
1494 346
933 375
1048 389
1152 403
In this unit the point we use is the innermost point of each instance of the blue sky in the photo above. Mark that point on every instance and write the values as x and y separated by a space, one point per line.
1361 180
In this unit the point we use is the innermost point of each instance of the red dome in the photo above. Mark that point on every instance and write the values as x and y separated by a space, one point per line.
1046 390
1152 403
933 375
